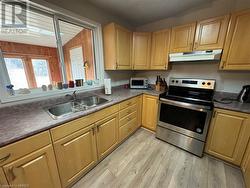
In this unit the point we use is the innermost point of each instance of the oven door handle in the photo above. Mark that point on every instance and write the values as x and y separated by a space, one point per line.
196 107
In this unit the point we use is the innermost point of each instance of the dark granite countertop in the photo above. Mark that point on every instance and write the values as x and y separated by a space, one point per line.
228 101
20 121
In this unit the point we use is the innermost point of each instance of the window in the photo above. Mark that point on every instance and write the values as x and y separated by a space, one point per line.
53 49
41 72
16 72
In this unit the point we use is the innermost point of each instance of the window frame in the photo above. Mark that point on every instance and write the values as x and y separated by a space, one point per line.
97 50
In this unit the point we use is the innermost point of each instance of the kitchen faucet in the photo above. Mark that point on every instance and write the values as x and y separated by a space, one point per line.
72 96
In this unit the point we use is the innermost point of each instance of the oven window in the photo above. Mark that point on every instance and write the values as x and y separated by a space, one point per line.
137 82
182 117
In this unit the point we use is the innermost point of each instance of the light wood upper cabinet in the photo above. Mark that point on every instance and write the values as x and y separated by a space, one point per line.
236 55
149 112
141 51
107 135
210 33
182 38
160 49
228 137
75 154
117 47
37 170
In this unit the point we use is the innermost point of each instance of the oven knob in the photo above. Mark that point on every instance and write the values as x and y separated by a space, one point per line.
203 83
208 83
173 81
176 81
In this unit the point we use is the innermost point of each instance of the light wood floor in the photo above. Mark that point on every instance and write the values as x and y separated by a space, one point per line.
144 161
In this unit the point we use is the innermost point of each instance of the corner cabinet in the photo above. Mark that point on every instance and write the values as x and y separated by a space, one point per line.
117 47
228 135
236 55
182 38
141 51
211 33
160 49
149 112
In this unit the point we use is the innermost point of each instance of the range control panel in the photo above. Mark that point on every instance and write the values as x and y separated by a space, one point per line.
194 83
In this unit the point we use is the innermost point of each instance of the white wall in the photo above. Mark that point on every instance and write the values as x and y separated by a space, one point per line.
225 80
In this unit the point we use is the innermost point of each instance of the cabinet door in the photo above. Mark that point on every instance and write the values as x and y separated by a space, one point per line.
149 112
236 55
141 50
75 154
123 48
210 33
139 111
160 50
36 170
182 38
107 135
227 138
3 180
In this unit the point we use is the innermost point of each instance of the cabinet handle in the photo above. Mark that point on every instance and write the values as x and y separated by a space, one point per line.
129 104
128 112
11 174
5 158
93 131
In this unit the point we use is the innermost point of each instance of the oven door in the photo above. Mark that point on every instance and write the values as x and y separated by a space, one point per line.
185 118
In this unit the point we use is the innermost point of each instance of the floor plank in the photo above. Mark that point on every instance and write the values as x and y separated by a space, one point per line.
143 161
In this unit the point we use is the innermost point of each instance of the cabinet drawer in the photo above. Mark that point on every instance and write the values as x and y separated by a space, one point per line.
128 103
127 129
23 147
127 118
78 124
128 111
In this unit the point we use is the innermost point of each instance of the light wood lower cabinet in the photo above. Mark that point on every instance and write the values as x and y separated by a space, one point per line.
107 135
228 136
245 165
35 170
149 112
3 180
75 154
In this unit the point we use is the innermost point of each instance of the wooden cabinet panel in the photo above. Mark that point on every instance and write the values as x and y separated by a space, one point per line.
245 165
107 135
124 46
182 38
128 110
3 180
160 49
36 170
210 33
127 129
75 154
149 112
141 50
117 47
127 118
139 111
236 55
227 138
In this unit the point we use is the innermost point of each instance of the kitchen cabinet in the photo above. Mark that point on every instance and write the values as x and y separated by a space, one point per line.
141 50
210 33
160 49
76 154
3 180
245 165
139 111
182 38
117 47
107 135
236 55
36 170
149 112
228 135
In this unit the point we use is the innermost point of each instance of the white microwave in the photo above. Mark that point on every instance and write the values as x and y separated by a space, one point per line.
138 83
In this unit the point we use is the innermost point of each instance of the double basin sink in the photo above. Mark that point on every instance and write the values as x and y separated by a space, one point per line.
65 109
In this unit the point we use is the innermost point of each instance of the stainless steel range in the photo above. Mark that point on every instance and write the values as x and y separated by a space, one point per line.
185 112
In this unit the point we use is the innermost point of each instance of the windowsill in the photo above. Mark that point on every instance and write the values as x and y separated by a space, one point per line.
45 94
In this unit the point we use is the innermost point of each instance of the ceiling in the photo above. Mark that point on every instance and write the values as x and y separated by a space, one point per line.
139 12
40 31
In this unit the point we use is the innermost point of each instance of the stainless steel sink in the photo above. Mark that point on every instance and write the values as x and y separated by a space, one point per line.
65 109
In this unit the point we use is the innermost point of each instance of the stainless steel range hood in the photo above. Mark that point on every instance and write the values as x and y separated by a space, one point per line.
209 55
